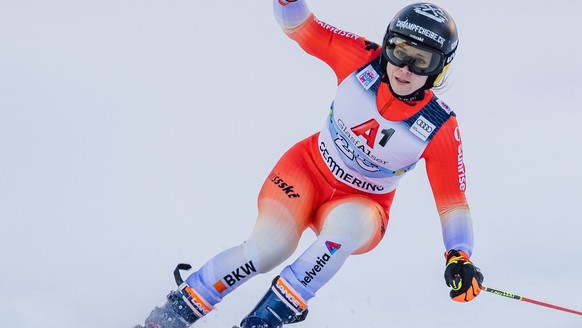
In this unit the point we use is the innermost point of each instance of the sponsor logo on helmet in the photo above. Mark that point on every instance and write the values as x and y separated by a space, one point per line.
431 11
420 30
367 77
422 128
452 55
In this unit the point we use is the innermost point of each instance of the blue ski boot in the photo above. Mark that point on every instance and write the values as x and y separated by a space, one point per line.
182 308
280 305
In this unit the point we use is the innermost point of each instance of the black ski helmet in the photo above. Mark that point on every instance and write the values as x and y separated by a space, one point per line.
427 25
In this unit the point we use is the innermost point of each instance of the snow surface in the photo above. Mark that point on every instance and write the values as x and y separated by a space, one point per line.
135 135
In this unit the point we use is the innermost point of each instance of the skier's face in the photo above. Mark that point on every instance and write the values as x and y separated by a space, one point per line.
403 81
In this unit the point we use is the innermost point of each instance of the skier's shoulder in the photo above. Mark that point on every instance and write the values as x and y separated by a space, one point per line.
438 104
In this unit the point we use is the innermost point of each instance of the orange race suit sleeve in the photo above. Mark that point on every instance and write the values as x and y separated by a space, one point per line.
445 169
345 52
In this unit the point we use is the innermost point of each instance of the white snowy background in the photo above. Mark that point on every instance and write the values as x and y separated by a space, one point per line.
135 135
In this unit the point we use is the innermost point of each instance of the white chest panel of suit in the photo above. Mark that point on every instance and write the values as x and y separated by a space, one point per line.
366 151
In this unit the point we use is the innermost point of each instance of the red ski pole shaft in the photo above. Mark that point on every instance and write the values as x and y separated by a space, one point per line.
529 300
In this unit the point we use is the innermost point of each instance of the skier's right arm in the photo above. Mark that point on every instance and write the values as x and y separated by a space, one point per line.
343 51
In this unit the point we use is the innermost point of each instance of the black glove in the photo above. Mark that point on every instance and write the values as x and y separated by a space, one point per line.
462 276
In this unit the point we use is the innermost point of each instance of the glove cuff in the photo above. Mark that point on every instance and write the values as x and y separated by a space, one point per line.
455 253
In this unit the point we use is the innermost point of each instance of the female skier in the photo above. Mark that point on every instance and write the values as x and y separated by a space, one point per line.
341 181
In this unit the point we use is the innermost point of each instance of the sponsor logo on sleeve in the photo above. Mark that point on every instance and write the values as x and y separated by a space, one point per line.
336 30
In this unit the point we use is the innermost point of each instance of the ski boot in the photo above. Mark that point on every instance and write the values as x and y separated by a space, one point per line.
182 308
280 305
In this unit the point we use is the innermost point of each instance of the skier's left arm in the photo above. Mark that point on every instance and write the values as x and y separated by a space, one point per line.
446 173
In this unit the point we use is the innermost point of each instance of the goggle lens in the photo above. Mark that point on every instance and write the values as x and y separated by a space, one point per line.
420 60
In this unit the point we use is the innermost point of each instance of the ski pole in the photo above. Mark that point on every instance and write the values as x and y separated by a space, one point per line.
529 300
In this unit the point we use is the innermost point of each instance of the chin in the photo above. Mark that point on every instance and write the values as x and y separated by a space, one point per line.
402 92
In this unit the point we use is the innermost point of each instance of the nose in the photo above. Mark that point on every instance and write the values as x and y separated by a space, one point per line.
405 69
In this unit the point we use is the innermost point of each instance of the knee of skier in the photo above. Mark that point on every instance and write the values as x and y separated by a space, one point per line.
357 218
272 241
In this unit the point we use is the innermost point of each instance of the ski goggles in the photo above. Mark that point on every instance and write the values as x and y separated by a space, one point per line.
421 60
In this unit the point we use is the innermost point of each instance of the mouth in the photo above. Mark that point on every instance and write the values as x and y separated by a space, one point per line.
399 80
